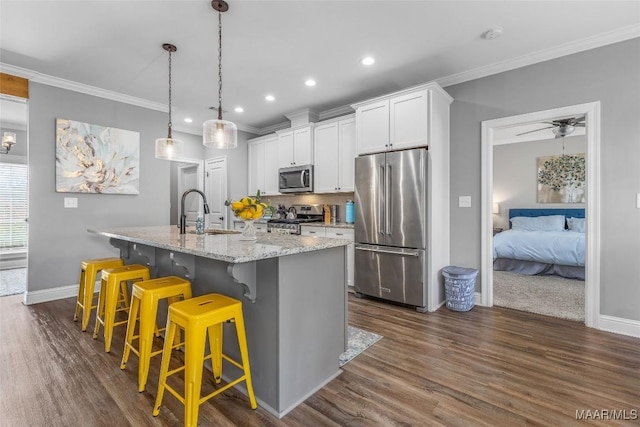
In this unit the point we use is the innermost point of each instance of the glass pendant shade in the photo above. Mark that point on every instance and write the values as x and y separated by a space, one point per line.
218 133
169 148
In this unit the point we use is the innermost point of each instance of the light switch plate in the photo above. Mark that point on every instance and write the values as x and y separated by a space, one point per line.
70 202
638 200
464 201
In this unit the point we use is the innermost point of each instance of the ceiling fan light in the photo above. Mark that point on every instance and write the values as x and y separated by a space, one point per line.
169 148
221 134
563 130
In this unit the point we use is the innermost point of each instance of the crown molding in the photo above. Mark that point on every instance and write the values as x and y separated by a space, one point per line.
343 110
36 77
599 40
273 128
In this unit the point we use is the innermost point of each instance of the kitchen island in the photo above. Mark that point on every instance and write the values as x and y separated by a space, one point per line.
293 290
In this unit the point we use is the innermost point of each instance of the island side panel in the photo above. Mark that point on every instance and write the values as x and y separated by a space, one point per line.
261 323
312 318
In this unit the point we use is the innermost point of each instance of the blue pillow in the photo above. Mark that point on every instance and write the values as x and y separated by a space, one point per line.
538 223
576 224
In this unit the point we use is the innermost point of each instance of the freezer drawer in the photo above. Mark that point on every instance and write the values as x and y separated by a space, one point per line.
392 274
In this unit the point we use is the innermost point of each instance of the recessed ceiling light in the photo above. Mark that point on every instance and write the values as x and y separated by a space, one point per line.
310 82
188 120
238 109
493 33
270 98
368 60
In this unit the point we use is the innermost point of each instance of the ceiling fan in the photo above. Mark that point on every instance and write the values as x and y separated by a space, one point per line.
561 127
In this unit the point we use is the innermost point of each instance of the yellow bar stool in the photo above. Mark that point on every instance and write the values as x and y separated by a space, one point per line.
87 285
113 290
144 300
199 316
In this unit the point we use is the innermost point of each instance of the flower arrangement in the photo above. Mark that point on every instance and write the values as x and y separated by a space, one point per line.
250 207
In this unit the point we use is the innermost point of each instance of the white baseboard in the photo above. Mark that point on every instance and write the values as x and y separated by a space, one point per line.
619 325
61 292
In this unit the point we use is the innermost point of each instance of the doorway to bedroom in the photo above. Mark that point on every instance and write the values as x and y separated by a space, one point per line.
521 157
538 233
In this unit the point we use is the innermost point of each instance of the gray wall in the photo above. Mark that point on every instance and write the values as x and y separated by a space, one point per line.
609 74
515 171
58 238
236 166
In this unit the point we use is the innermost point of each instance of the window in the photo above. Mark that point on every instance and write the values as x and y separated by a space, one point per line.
13 206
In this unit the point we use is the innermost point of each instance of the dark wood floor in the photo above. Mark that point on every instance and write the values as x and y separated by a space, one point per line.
483 367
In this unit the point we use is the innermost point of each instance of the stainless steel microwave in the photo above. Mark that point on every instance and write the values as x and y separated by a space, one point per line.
296 179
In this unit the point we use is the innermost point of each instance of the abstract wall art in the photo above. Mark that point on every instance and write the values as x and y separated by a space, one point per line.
96 159
561 179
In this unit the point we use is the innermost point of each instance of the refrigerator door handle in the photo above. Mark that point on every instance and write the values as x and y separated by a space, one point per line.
387 196
381 200
384 251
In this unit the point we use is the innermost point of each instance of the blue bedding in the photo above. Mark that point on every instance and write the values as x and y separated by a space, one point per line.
551 247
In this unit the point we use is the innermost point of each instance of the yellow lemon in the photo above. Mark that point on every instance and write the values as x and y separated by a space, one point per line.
236 206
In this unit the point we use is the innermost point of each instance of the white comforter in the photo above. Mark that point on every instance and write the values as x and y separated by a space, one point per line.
551 247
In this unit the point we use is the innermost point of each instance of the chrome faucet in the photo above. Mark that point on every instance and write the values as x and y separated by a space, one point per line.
183 218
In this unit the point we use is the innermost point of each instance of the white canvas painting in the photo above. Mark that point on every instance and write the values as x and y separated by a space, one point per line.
561 179
96 159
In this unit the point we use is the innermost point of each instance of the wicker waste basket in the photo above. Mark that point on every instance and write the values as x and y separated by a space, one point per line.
459 287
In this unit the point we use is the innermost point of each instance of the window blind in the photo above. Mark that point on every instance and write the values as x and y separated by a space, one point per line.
14 206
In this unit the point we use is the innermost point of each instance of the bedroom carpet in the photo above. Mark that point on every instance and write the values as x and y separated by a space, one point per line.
548 295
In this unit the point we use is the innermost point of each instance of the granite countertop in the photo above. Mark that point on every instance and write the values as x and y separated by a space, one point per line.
223 247
322 224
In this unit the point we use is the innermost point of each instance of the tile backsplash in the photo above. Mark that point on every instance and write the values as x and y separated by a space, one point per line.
339 199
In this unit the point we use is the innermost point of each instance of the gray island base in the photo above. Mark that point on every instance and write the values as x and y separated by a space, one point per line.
293 290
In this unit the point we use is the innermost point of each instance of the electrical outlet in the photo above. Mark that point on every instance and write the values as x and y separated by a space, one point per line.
464 201
638 200
70 202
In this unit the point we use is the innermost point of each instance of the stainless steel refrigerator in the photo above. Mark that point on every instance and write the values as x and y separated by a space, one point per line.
390 226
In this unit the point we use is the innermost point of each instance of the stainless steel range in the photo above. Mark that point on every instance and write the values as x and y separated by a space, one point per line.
296 216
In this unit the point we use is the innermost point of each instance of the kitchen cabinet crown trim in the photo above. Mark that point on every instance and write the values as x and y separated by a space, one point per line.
293 129
426 86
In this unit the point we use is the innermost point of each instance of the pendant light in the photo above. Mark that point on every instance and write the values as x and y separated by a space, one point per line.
218 133
169 148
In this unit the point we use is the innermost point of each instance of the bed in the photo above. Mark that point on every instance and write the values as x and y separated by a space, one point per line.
542 242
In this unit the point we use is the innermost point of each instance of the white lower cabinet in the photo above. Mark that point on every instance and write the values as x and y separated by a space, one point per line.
339 233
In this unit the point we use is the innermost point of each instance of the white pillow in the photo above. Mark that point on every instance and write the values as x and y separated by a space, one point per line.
576 224
538 223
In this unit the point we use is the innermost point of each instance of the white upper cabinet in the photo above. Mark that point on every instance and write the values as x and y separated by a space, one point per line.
325 153
372 131
263 165
408 120
295 147
347 157
398 121
334 156
256 166
271 178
